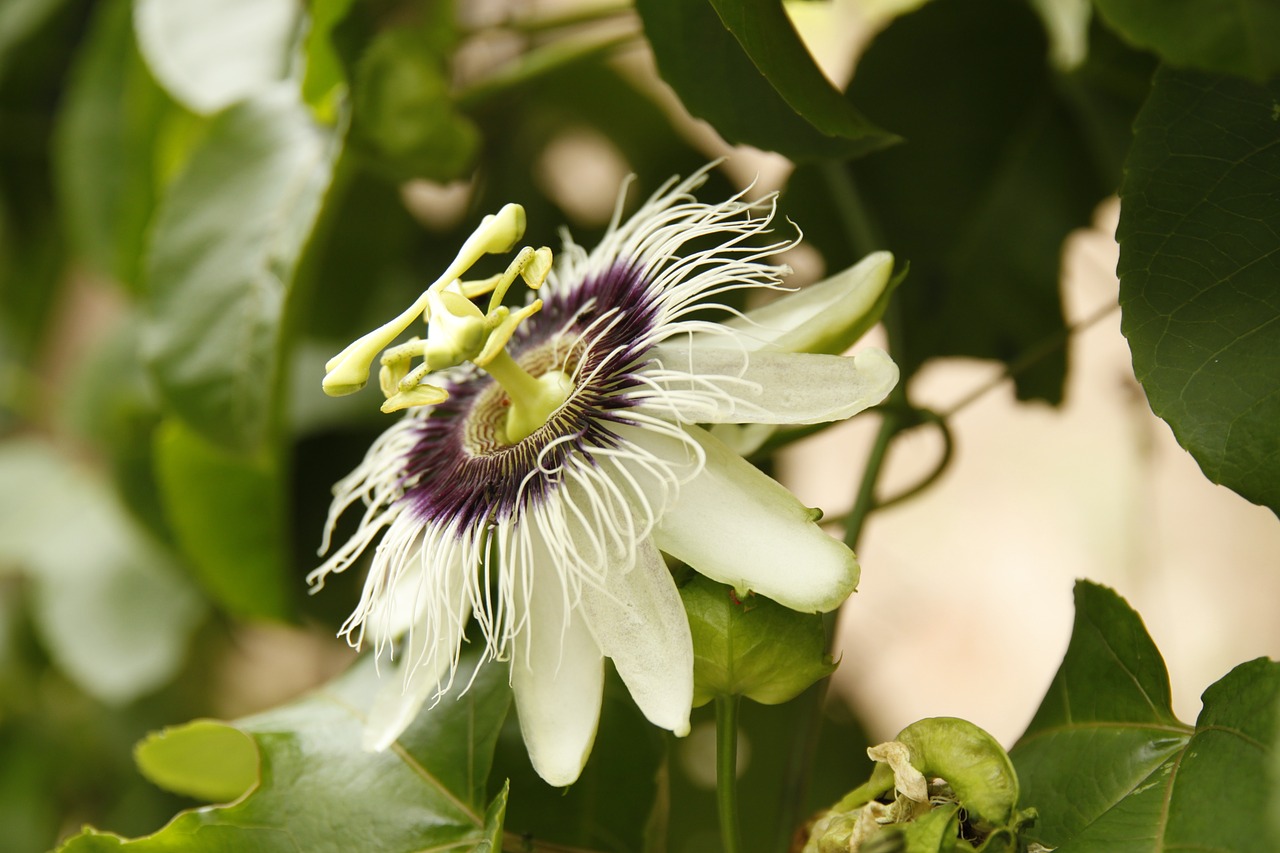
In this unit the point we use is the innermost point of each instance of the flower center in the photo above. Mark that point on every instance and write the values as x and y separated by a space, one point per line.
458 332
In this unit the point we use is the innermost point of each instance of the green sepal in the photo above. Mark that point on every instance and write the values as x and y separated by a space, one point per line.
751 646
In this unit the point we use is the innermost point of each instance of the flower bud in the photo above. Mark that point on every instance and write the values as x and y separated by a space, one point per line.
938 786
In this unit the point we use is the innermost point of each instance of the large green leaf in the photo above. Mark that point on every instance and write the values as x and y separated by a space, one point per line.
1003 158
1111 770
109 141
1200 272
210 54
740 65
1236 38
111 405
224 251
227 514
110 606
317 790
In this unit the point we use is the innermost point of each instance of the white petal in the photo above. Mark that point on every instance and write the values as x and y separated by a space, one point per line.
823 317
736 525
640 623
433 588
770 387
557 673
398 703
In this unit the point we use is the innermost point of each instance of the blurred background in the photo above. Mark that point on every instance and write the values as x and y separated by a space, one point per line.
148 577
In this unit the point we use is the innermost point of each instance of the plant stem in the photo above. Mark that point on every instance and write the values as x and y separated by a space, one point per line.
539 62
1031 357
865 500
727 772
574 18
858 225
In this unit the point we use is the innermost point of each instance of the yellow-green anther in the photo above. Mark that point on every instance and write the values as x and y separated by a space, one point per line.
539 268
389 376
420 395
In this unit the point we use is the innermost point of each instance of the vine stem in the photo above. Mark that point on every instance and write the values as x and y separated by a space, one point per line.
727 772
1031 357
864 501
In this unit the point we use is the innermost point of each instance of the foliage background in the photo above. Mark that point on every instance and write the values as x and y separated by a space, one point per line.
181 248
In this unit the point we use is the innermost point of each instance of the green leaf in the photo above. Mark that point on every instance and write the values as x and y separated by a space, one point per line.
108 143
1234 38
404 114
210 54
325 81
224 250
1109 767
742 67
755 647
112 609
205 759
32 251
318 790
227 514
1200 272
111 405
1003 158
18 20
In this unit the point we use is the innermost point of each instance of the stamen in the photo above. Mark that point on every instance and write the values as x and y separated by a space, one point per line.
348 371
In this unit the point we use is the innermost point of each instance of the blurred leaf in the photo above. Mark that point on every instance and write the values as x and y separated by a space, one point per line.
111 405
403 113
319 791
1103 96
32 252
325 80
210 54
1234 38
740 65
19 19
107 146
1200 273
112 610
1109 767
227 514
1066 22
223 253
627 756
754 647
369 265
996 170
205 759
608 102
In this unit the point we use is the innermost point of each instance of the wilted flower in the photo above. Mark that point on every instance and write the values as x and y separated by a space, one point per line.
532 486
